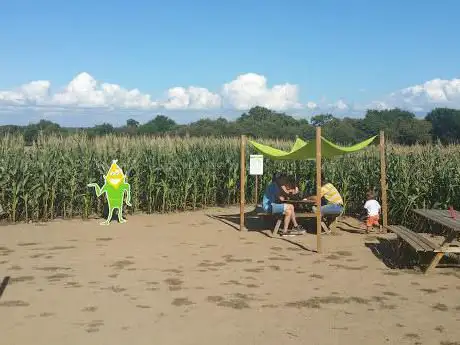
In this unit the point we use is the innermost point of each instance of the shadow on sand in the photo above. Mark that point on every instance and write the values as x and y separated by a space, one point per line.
3 285
384 249
256 224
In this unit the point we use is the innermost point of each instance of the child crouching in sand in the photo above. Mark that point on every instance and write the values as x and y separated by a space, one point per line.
373 208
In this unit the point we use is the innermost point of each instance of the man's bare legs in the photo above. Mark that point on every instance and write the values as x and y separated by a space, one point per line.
293 219
289 216
297 228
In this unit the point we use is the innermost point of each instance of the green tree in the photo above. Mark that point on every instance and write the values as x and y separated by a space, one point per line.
445 124
159 125
411 132
31 134
265 123
343 131
131 126
400 126
209 127
103 129
131 123
321 120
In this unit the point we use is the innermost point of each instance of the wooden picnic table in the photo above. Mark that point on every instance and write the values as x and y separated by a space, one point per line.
444 218
422 244
299 202
441 217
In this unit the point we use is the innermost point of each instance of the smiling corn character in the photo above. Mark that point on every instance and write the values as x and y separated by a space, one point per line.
114 187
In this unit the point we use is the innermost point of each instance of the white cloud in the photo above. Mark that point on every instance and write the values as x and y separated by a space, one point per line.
249 90
84 90
34 92
311 105
191 98
339 105
84 95
423 97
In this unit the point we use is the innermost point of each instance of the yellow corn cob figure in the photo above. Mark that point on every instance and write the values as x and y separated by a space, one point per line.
114 187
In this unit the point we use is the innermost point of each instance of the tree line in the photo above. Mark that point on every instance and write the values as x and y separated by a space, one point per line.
400 126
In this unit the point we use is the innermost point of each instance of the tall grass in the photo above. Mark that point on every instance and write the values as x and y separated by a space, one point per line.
48 179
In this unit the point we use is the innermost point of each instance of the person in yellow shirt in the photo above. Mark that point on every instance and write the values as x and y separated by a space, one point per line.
331 200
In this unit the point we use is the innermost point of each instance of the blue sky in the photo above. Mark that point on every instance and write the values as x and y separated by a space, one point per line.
356 52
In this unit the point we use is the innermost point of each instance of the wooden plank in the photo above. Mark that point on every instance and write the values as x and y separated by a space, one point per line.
242 180
422 239
455 250
434 262
325 228
417 241
277 226
318 190
440 216
383 180
420 242
414 244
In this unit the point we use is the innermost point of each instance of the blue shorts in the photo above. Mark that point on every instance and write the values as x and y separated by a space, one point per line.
278 208
331 209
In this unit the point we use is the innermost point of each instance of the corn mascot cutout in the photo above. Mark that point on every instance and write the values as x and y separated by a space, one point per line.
114 187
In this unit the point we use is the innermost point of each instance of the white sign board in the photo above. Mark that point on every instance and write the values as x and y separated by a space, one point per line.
256 165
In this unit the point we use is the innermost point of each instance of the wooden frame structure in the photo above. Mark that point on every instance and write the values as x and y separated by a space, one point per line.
319 248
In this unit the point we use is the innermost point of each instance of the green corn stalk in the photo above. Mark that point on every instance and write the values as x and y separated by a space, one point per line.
48 179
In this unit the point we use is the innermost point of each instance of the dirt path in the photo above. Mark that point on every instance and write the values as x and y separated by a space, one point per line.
190 279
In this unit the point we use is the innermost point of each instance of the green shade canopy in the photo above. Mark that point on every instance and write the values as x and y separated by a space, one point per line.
302 150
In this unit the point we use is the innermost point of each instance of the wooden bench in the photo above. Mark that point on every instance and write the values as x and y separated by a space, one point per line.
421 244
280 217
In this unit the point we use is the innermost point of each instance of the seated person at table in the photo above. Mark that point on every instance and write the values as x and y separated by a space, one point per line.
331 200
294 189
290 190
273 203
284 183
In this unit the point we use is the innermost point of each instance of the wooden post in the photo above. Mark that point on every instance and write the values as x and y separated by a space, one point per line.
242 181
257 189
383 180
318 190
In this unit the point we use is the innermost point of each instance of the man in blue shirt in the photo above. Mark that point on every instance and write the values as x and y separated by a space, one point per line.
273 203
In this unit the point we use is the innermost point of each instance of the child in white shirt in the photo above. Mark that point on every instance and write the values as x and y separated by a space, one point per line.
373 208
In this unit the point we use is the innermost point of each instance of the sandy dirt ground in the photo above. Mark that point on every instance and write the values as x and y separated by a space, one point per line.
193 279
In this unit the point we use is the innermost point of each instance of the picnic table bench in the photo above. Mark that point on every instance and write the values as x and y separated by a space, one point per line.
421 244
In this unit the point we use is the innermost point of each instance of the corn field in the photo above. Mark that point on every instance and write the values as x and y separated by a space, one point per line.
48 180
